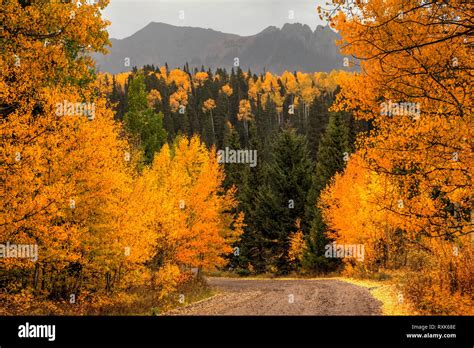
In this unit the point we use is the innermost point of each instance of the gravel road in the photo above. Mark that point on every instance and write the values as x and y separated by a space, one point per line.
283 297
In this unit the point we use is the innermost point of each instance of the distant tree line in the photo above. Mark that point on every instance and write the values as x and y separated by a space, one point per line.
300 145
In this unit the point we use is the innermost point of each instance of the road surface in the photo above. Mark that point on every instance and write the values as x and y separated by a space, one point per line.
237 296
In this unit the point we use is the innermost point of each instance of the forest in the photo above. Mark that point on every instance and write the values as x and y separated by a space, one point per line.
129 187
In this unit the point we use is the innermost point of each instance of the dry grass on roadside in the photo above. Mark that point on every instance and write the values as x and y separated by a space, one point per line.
387 292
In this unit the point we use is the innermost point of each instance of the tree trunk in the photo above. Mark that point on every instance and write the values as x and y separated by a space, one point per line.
213 131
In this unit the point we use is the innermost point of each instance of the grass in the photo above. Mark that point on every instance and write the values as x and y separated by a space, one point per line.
192 292
141 301
145 302
387 292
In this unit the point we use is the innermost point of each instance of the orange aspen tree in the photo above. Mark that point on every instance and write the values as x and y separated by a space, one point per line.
415 87
210 105
65 172
192 216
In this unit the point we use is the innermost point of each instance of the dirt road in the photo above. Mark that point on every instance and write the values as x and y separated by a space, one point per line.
283 297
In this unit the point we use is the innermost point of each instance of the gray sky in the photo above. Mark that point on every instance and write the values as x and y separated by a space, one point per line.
243 17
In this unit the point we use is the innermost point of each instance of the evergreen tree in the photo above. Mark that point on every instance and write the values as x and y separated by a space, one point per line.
332 147
142 122
221 118
235 172
317 122
248 182
283 198
332 151
114 98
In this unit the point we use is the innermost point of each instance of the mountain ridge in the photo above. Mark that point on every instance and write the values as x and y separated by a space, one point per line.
294 46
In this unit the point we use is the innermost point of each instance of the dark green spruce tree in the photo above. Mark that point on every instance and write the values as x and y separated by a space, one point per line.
145 126
249 180
317 122
283 198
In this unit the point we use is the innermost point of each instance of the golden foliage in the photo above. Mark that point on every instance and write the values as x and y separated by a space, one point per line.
209 105
196 227
245 111
297 244
153 97
408 191
70 183
201 77
227 90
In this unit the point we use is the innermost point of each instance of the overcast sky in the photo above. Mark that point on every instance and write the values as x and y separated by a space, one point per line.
243 17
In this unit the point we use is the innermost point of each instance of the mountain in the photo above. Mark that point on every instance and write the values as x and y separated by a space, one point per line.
294 47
